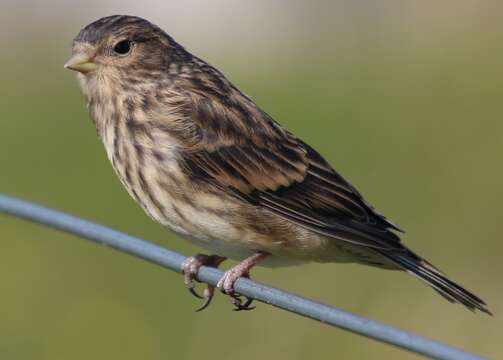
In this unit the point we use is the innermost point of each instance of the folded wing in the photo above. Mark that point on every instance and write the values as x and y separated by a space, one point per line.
244 151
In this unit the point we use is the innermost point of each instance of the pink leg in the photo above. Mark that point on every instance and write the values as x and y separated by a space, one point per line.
226 283
191 266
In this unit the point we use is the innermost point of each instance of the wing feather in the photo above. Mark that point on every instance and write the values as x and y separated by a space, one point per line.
241 149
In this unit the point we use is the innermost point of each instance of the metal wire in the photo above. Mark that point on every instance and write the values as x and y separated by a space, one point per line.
278 298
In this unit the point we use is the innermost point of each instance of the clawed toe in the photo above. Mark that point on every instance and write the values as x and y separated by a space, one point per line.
193 291
226 283
190 268
226 286
238 302
208 296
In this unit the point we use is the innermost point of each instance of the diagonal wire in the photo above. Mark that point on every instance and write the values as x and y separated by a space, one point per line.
266 294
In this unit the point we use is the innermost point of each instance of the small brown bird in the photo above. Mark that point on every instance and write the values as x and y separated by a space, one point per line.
201 158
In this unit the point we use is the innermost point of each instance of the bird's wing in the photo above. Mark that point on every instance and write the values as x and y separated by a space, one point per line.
241 149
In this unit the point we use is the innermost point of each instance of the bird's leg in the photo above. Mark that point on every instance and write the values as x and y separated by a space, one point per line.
226 283
190 268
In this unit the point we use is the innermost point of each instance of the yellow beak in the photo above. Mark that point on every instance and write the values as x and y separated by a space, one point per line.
81 62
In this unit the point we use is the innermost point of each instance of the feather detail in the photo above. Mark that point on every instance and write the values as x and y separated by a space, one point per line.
242 149
425 271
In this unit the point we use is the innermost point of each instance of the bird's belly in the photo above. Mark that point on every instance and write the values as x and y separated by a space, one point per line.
214 222
217 226
234 249
218 235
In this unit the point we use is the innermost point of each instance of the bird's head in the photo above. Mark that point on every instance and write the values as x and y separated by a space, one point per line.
123 48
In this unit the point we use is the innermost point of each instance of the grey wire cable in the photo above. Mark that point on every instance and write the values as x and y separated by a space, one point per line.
278 298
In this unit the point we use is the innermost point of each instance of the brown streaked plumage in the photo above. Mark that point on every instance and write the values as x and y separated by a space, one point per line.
204 160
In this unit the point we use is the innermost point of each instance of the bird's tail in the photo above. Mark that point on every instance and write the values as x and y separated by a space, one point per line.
415 265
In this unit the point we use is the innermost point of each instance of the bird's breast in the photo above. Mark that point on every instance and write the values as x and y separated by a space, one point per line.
149 168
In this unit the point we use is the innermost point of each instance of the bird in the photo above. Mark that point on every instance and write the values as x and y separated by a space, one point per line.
205 161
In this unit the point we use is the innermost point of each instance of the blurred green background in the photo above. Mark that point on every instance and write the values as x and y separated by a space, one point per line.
404 98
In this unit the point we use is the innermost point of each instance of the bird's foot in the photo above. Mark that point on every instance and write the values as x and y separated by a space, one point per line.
190 268
226 283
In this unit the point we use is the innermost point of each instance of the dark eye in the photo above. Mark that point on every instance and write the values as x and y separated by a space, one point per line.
123 47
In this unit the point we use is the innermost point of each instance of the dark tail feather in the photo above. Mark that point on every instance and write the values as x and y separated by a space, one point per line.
453 292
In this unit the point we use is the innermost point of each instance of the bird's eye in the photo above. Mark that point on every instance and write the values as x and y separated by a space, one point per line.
123 47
